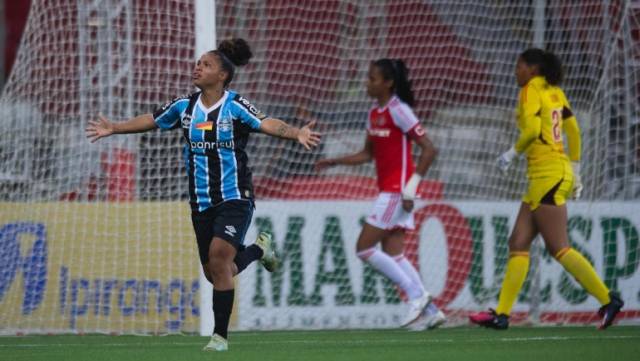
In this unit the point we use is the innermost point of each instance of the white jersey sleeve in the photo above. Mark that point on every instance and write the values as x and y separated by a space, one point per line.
402 115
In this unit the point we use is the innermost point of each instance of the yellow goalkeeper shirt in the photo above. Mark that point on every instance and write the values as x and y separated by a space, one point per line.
543 114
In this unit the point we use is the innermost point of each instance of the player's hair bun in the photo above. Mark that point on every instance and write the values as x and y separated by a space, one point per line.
237 50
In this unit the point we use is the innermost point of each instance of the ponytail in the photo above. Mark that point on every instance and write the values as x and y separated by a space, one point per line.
549 65
232 53
552 68
396 70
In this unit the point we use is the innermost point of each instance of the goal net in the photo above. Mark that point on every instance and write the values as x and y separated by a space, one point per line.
97 237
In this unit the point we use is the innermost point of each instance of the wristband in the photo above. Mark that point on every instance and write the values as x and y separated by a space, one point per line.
410 189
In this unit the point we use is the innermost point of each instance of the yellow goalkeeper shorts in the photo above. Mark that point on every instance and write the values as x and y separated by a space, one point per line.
550 183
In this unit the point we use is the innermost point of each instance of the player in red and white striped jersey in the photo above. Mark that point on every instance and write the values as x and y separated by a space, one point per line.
391 127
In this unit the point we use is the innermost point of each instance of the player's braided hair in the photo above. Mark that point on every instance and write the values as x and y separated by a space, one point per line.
232 52
548 63
396 70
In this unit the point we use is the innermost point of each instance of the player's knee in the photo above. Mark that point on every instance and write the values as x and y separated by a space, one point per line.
218 263
218 270
519 244
393 247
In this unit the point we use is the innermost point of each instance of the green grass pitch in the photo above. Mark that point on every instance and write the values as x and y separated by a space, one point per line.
464 343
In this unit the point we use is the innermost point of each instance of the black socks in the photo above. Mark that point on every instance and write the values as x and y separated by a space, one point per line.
248 255
222 306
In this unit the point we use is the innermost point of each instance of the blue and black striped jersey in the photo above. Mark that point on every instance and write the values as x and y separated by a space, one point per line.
215 141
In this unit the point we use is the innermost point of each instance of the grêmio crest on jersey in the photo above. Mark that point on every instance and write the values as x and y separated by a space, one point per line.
225 124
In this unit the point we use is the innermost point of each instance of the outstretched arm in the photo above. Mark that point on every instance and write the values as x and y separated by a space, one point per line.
278 128
103 127
360 157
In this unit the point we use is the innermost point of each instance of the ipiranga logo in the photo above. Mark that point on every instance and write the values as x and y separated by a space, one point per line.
32 264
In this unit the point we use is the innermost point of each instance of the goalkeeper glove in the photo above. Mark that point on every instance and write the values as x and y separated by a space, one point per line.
410 189
577 180
504 160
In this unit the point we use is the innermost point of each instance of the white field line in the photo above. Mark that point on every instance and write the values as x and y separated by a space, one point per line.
235 341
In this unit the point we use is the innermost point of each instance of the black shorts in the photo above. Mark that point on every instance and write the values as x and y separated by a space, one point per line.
228 220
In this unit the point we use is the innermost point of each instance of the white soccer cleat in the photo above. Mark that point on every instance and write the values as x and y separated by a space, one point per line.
217 343
269 258
430 318
416 307
434 321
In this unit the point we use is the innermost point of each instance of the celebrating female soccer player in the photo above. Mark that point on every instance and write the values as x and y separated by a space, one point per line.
216 123
543 112
391 124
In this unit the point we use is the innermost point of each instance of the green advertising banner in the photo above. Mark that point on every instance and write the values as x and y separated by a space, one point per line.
460 249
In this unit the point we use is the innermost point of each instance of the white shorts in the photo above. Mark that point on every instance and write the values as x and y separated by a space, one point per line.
387 213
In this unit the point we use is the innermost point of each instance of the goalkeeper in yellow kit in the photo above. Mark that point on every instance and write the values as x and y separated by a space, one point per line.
543 114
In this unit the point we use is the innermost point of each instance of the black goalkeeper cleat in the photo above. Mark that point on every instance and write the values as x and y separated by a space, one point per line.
609 311
490 319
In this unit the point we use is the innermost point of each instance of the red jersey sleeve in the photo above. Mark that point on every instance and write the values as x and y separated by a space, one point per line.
416 132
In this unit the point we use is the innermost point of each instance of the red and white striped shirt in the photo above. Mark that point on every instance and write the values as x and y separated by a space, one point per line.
389 128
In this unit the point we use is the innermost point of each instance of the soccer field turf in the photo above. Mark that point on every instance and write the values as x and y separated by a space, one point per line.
540 344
